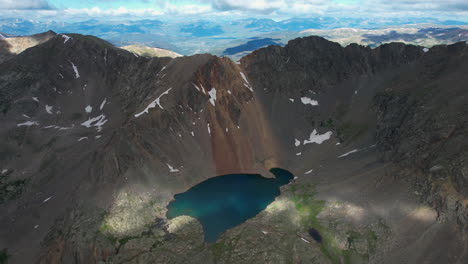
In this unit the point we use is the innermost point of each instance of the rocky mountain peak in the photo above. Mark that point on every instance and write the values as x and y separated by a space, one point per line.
96 140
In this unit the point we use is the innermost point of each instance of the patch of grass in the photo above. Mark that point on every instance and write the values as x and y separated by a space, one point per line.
11 190
309 208
329 123
105 228
223 247
124 240
4 256
350 131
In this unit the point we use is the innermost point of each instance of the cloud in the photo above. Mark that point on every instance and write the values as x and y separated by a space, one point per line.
24 4
116 12
277 9
336 6
270 6
194 8
254 5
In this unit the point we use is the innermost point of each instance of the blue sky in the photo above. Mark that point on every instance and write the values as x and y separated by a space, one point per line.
276 9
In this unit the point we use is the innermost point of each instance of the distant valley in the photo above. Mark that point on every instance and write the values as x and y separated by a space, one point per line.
237 38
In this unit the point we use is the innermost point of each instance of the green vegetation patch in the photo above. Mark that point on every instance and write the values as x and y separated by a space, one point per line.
350 131
10 190
339 243
4 256
223 247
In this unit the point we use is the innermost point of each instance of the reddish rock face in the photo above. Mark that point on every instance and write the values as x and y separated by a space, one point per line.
240 136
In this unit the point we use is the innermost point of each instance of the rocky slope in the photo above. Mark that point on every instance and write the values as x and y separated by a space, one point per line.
151 52
12 45
96 141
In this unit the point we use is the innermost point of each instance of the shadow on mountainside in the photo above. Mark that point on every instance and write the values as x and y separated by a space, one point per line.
5 52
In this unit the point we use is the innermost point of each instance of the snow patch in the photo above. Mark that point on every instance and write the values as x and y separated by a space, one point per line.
171 169
229 91
153 104
65 38
97 122
246 84
47 199
28 123
35 99
347 153
435 168
82 138
305 240
308 172
299 153
292 100
297 142
59 127
192 134
88 109
425 49
75 69
4 171
243 77
26 116
103 104
307 100
162 69
48 109
212 94
202 88
209 130
317 138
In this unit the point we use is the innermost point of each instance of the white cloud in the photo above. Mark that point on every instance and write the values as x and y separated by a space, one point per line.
310 7
121 11
277 9
24 4
186 9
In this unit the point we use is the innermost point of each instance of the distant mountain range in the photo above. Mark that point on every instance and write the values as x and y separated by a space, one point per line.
204 36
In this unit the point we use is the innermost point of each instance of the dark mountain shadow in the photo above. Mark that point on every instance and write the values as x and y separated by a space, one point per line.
5 52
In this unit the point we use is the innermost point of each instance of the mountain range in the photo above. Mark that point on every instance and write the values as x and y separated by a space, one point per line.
216 36
96 140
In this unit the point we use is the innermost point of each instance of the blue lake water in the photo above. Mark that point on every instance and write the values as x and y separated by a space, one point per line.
226 201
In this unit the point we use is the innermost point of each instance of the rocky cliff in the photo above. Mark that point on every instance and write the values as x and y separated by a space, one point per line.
96 140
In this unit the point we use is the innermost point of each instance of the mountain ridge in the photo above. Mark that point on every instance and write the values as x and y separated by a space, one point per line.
166 124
